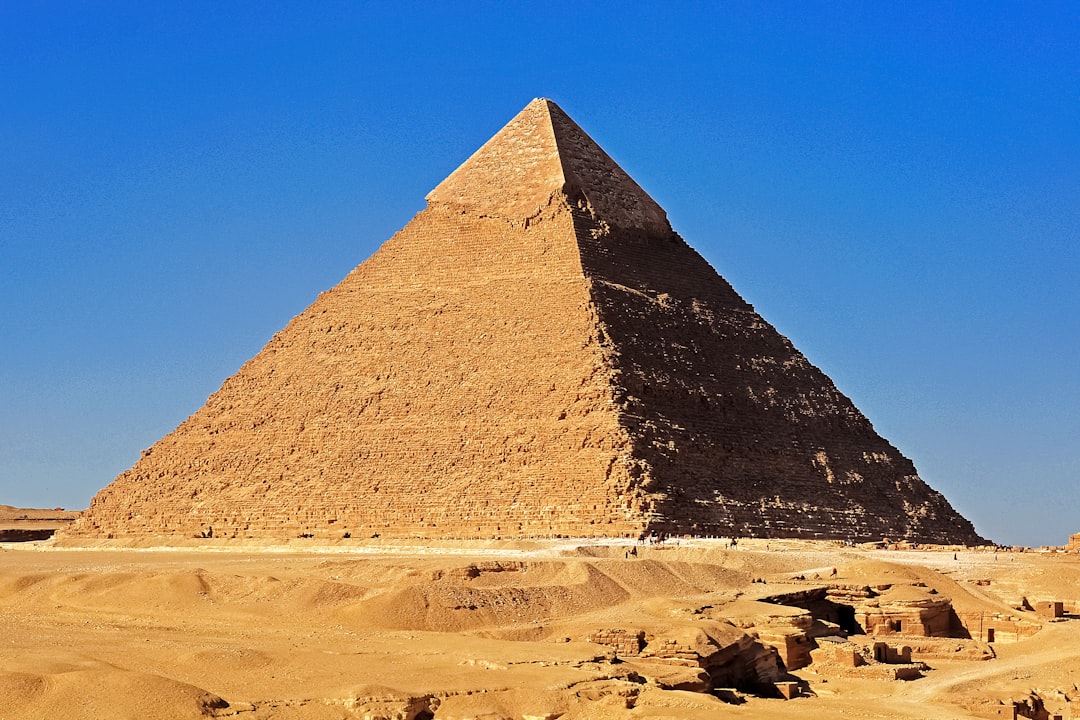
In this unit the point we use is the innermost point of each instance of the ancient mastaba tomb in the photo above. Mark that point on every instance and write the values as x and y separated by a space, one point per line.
536 353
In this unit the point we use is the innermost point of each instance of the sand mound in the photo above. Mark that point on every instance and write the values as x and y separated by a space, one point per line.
499 595
92 691
451 602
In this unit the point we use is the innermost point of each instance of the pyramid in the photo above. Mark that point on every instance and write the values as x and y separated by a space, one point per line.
536 354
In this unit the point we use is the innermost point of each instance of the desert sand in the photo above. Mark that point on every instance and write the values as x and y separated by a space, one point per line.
373 629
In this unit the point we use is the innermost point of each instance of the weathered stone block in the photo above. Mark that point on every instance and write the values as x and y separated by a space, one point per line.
537 353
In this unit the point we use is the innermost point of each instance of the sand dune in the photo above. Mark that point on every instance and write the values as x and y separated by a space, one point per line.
483 631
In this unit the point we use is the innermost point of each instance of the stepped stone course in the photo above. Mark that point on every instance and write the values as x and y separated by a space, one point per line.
536 353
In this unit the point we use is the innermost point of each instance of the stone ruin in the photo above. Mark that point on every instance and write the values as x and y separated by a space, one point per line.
537 353
700 656
915 613
1074 543
764 646
1032 706
837 657
1050 609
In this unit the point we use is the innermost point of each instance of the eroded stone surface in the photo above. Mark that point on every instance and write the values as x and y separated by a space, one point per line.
537 353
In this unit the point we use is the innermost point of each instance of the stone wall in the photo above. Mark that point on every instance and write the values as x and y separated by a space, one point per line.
625 643
997 627
874 661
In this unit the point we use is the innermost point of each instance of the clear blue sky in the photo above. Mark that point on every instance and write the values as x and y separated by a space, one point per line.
895 186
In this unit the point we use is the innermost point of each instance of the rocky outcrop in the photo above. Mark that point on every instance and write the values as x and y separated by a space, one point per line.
536 353
890 609
31 524
792 640
907 610
730 657
697 656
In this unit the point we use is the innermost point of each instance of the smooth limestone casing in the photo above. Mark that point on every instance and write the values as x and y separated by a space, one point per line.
536 353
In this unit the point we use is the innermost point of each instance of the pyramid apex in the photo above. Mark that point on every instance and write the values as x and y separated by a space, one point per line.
542 154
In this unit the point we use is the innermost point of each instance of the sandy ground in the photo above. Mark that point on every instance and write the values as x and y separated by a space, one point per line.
466 630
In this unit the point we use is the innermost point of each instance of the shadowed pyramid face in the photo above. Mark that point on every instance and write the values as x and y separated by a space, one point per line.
537 353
